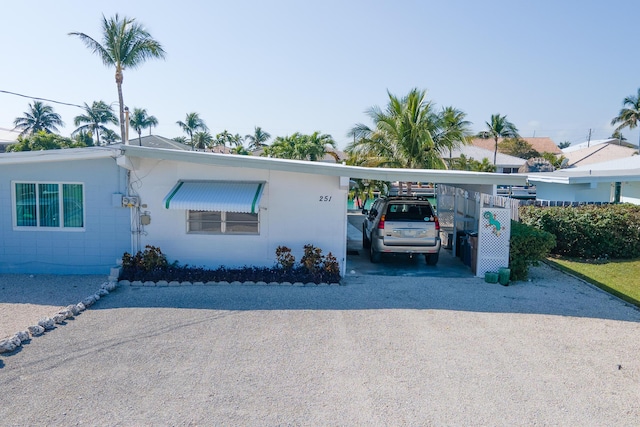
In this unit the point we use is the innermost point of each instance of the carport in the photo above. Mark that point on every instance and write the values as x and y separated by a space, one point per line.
464 200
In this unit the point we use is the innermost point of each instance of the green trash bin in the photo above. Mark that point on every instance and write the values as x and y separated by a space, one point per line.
504 274
491 277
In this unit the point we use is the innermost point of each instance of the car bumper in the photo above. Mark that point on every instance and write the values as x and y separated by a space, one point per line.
379 246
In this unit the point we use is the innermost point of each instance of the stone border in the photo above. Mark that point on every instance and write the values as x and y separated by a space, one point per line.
45 324
164 283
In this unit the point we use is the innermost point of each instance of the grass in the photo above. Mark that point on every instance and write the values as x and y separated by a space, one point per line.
618 277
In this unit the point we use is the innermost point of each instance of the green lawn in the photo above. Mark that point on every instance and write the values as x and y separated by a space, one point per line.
619 277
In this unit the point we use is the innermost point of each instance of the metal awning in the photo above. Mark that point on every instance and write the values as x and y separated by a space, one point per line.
227 196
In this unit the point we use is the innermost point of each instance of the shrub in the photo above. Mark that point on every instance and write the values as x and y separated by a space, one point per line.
152 265
528 246
589 231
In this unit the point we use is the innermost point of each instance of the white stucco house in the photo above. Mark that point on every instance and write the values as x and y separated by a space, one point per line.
76 211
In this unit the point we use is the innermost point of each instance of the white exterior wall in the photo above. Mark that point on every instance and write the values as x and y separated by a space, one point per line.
291 214
630 193
574 192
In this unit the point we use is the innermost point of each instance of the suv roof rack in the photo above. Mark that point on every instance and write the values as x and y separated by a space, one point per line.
423 198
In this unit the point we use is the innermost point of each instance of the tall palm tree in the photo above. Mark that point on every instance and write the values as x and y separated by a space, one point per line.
258 139
126 44
192 123
499 127
139 120
405 135
94 119
39 117
629 115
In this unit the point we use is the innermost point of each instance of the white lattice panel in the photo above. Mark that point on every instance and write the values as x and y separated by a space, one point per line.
494 234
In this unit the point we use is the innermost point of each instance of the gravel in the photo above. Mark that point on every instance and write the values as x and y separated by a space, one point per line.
376 351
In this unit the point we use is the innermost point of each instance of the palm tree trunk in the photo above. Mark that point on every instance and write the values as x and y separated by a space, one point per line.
121 101
495 153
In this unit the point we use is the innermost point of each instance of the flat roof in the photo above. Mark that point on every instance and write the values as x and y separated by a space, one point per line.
63 154
329 169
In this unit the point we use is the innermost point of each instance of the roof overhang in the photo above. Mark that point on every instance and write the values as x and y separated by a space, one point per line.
452 177
64 154
586 177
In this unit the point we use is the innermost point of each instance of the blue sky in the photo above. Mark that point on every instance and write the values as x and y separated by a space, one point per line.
554 68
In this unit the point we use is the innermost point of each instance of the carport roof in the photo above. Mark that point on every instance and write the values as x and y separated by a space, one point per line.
329 169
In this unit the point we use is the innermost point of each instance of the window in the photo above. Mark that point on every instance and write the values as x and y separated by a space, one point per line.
217 222
49 205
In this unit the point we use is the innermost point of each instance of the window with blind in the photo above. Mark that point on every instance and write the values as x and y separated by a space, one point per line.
49 205
216 222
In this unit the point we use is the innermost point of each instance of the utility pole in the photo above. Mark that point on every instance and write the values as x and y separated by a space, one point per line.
589 139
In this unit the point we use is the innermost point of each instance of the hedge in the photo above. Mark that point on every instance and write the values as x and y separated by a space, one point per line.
528 246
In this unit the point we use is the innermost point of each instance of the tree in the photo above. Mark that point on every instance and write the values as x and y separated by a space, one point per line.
619 136
470 164
192 123
258 139
564 145
301 147
202 139
517 147
181 140
407 134
109 136
498 127
139 120
39 117
43 140
126 44
629 115
94 119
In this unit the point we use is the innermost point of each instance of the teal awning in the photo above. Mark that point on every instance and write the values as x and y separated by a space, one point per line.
226 196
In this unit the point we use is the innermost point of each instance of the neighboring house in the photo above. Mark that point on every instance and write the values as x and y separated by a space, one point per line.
504 162
7 137
597 153
612 181
60 211
541 144
156 141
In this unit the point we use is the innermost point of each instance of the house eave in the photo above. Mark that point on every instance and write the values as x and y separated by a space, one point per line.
328 169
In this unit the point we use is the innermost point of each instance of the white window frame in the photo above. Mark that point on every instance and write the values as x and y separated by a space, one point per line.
38 227
223 225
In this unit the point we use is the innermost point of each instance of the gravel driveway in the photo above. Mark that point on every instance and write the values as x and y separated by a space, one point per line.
377 351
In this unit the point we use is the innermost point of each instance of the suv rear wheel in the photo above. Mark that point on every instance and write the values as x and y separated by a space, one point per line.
374 255
366 243
432 259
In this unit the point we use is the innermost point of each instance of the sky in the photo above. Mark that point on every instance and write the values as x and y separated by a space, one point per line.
555 68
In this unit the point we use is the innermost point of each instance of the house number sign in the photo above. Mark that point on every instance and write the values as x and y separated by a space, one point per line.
325 198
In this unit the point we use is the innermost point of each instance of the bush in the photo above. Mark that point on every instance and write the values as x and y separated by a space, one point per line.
528 246
152 265
589 231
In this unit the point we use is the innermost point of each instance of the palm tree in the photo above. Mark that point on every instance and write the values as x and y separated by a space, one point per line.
139 121
258 139
629 115
109 136
202 139
407 134
125 44
39 117
499 127
192 123
94 119
453 129
300 147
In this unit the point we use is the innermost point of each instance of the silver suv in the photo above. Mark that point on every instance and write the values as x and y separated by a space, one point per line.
401 224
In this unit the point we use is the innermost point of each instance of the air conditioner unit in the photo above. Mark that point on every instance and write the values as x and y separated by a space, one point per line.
130 201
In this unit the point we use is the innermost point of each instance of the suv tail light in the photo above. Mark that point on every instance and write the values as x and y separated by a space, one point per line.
437 223
381 223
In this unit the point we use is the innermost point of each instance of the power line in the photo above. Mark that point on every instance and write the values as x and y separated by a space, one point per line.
42 99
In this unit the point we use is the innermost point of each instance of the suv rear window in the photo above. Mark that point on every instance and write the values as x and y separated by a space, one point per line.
408 212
